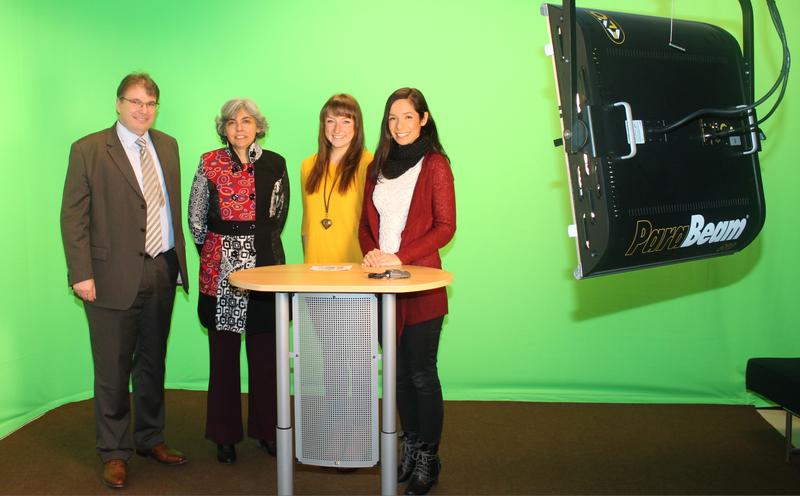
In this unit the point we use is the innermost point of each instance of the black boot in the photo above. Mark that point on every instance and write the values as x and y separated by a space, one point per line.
426 471
268 446
409 457
226 453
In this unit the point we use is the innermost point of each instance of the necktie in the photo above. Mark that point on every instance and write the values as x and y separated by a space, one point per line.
154 198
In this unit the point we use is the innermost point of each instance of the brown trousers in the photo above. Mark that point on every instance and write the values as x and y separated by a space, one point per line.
130 346
224 409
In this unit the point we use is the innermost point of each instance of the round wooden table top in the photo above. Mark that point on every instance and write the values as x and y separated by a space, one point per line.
301 278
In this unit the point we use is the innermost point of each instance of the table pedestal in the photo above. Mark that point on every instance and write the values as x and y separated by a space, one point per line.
284 430
301 278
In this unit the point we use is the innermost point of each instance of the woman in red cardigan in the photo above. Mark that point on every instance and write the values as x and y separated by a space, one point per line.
409 213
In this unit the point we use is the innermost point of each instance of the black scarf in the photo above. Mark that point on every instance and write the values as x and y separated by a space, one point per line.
403 157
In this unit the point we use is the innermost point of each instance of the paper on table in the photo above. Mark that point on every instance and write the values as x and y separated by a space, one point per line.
331 268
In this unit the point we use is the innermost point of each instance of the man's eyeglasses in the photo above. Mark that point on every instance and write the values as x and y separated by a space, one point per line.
140 104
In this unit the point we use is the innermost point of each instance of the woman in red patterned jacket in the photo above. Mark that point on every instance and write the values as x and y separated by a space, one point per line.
237 209
409 213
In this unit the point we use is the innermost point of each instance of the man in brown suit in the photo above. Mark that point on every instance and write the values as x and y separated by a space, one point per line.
121 228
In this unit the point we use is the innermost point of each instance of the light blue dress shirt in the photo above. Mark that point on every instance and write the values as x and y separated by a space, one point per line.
128 140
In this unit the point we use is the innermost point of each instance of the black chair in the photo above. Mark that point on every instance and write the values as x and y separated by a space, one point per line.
778 380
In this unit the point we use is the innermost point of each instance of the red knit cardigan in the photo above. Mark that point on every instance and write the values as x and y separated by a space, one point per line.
430 226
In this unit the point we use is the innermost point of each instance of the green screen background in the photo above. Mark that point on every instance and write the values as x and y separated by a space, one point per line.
520 327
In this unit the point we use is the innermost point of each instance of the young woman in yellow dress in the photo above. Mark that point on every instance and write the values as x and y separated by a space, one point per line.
333 189
333 185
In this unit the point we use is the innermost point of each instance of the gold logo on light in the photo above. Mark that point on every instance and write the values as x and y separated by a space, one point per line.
613 30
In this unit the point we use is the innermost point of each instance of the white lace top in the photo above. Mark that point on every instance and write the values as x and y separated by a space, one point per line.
392 198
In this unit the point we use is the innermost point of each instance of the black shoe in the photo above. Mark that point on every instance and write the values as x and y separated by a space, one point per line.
226 453
426 471
409 457
268 446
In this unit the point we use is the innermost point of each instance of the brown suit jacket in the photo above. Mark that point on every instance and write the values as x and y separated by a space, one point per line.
103 215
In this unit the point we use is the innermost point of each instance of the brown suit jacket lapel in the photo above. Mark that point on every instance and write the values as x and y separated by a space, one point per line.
120 159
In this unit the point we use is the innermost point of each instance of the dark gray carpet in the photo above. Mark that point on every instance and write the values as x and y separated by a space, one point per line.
488 448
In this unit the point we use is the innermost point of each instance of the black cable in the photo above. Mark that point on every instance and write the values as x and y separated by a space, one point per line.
752 127
783 75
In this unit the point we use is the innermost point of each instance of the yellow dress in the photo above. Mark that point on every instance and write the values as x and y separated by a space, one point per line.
338 243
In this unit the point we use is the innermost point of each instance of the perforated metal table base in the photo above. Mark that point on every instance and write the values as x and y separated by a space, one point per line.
335 352
284 430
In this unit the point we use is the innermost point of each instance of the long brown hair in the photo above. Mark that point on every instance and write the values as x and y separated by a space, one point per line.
338 105
428 131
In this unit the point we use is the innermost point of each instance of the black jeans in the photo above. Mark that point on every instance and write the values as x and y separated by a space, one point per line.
419 393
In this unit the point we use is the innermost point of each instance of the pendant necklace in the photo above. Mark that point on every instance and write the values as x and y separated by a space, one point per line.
326 222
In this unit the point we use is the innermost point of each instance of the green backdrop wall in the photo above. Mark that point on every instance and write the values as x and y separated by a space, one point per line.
520 328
